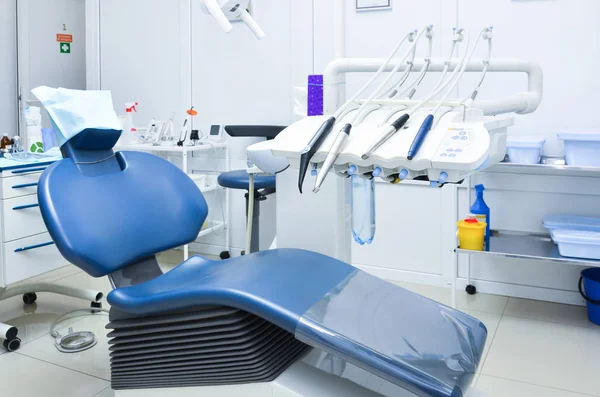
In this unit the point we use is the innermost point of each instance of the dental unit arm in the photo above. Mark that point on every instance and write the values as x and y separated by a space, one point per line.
225 11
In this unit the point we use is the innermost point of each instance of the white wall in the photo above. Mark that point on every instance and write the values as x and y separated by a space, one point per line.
8 67
230 79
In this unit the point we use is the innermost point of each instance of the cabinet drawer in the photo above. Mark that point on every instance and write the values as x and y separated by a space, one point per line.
30 257
20 185
22 218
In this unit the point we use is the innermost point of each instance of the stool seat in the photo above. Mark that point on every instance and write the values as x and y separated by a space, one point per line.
241 180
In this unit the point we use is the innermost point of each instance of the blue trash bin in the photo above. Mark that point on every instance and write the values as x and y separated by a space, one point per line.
589 287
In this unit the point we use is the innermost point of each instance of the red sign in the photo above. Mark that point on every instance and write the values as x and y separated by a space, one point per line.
64 38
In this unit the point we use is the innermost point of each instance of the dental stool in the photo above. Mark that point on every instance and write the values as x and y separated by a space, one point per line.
264 185
250 320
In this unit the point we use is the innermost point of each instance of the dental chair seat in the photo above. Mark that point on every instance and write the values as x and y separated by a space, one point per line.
405 338
252 283
240 180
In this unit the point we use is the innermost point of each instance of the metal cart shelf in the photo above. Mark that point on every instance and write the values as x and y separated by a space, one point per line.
528 246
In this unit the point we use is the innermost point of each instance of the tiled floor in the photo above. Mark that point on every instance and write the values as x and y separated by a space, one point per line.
533 349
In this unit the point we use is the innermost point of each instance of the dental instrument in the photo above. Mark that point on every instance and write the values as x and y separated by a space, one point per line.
345 132
186 126
391 130
430 120
333 155
325 129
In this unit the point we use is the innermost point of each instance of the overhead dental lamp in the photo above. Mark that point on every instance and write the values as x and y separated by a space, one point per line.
225 11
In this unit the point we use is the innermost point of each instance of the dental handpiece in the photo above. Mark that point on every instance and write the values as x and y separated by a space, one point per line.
312 148
334 153
386 135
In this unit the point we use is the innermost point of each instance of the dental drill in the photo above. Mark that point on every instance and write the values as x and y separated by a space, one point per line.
345 132
323 132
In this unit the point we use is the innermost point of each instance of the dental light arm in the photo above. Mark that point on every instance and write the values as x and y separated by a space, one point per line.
226 10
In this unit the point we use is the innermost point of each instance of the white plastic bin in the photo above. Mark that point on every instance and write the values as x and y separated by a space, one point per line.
578 243
525 149
582 149
571 222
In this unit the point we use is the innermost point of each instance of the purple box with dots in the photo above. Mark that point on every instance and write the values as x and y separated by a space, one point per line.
315 95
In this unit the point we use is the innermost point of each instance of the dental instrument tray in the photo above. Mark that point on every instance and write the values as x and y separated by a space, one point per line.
461 143
467 136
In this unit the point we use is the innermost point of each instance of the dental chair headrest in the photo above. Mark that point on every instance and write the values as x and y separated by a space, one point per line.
94 139
93 146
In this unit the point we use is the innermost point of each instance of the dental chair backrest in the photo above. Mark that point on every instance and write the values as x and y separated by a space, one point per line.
107 210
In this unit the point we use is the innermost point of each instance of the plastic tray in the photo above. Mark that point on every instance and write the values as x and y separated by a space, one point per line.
578 243
525 150
582 149
571 222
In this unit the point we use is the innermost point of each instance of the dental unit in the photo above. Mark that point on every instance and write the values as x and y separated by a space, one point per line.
457 137
344 134
325 129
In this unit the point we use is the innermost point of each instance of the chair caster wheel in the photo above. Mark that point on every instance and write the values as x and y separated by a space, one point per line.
225 255
29 298
471 289
96 305
12 345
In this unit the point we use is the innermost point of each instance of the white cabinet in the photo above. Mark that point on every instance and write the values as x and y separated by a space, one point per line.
26 249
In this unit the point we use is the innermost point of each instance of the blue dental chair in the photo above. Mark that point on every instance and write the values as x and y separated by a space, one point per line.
264 185
242 320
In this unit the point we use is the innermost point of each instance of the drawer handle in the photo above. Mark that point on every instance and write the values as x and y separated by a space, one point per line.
32 247
24 207
28 170
24 185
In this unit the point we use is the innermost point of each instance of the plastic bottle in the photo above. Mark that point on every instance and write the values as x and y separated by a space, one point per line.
363 209
482 212
5 142
33 121
130 135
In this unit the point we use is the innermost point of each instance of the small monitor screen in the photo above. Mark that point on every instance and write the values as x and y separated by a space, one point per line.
215 130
